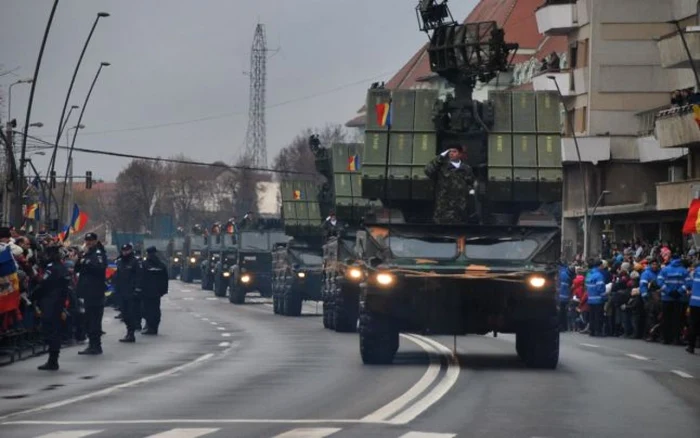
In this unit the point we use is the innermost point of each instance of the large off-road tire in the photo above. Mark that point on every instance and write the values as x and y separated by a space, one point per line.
172 275
236 294
346 307
292 301
219 287
537 344
276 303
326 315
265 288
186 276
379 338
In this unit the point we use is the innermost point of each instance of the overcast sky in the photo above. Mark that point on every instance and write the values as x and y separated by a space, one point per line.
182 60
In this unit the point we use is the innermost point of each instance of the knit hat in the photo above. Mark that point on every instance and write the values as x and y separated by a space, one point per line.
625 267
634 275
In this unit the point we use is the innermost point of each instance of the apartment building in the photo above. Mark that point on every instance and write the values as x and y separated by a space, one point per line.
625 59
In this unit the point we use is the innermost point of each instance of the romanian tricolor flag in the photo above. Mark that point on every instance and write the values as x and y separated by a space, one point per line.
79 219
384 114
296 195
696 114
63 235
692 221
354 163
32 211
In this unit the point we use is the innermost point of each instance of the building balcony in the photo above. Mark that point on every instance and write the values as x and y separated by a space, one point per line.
677 128
673 52
557 17
542 82
676 195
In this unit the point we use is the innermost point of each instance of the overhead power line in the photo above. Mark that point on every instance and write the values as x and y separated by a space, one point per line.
239 113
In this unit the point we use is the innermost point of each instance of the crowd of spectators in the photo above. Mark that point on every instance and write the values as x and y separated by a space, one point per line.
22 265
635 303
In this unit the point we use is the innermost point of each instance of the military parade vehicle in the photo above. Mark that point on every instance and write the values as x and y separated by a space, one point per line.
225 246
211 257
297 264
495 272
195 248
340 198
175 256
253 268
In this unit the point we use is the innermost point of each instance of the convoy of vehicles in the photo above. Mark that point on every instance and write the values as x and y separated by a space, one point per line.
297 275
196 246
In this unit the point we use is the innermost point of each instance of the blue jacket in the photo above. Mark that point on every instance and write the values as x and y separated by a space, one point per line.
607 275
672 281
695 297
595 286
645 279
565 279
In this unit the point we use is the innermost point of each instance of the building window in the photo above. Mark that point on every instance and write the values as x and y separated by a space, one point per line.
573 54
581 54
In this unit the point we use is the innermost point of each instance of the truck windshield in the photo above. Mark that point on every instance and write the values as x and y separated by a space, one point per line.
506 248
424 247
259 241
309 258
278 237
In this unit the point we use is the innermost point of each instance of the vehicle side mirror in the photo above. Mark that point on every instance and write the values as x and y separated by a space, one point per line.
375 261
295 266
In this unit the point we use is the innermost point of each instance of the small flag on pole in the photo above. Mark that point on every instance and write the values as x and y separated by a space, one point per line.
692 221
384 114
297 195
354 163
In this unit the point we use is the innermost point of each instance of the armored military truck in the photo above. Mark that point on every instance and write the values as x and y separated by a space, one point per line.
496 271
208 268
195 249
175 256
253 268
297 274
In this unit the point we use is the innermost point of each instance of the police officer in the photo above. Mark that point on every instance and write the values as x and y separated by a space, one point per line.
51 295
127 283
672 281
453 180
91 289
595 287
154 284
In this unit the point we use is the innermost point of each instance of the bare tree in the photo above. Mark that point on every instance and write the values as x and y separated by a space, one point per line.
188 190
297 156
138 189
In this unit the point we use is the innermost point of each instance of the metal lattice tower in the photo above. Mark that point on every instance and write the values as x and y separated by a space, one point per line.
256 142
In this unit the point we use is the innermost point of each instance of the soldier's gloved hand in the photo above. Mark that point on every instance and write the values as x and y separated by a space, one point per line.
472 192
444 153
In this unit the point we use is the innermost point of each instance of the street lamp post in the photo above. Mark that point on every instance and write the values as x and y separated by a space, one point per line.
80 119
20 180
603 194
9 95
70 111
584 179
52 162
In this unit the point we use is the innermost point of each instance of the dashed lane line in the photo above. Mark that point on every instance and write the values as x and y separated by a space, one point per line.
682 374
590 345
226 335
183 433
221 328
318 432
636 356
224 344
427 435
71 434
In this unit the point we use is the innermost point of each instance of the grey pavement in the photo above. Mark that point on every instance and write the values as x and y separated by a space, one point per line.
220 370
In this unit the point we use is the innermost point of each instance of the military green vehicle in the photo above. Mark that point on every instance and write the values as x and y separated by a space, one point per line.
208 266
174 256
253 268
297 275
195 249
496 271
223 246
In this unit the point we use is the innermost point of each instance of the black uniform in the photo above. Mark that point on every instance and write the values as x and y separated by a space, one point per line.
154 284
127 283
51 295
91 288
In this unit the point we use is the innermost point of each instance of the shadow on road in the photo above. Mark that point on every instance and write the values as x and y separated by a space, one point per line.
490 361
411 358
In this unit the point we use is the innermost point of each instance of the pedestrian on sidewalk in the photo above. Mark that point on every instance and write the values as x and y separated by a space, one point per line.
154 284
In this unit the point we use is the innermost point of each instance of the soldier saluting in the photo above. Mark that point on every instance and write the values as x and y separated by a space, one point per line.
331 226
453 179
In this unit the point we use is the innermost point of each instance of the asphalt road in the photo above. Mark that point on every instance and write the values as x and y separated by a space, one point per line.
219 370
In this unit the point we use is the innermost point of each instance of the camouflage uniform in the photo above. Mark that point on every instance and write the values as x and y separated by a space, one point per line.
452 187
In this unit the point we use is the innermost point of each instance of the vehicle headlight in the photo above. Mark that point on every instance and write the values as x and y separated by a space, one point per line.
227 274
245 278
385 279
193 260
537 281
301 274
212 271
355 273
176 260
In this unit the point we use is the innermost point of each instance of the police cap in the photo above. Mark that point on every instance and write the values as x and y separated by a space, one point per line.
91 236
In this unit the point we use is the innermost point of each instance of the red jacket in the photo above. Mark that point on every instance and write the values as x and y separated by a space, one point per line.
580 292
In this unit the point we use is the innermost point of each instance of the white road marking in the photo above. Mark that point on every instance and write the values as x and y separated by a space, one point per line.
196 315
636 356
221 328
427 435
317 432
438 392
183 433
682 374
226 335
214 323
191 421
187 290
205 319
213 298
224 344
70 434
591 345
431 374
111 389
188 298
